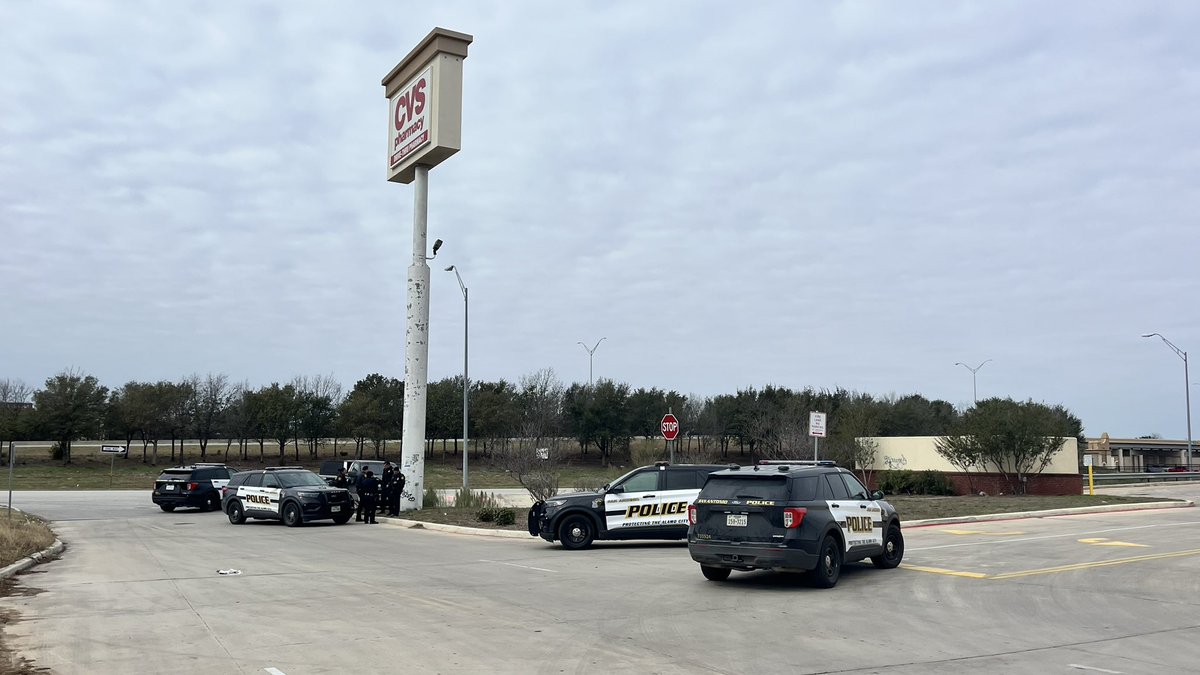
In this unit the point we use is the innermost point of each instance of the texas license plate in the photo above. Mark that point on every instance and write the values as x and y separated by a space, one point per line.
732 520
335 509
168 487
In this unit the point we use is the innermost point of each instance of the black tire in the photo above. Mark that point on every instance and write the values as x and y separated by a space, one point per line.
342 518
893 549
829 563
212 502
237 515
715 573
291 515
576 532
167 507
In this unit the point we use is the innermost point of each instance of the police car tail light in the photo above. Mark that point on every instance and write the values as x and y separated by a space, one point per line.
193 486
691 514
793 517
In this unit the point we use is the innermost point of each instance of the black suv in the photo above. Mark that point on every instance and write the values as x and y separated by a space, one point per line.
197 485
292 494
649 502
791 516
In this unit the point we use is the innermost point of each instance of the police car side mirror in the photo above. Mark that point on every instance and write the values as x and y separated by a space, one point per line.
878 494
616 490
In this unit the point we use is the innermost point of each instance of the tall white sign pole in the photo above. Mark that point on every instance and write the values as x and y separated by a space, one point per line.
424 93
416 350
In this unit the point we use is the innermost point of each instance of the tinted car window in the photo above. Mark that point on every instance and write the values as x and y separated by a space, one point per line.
253 480
642 482
299 479
174 475
683 480
857 491
203 474
270 480
738 487
238 480
804 488
837 486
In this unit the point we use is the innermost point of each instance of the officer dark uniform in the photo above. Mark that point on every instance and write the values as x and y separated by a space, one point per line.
340 480
358 483
386 485
368 493
397 491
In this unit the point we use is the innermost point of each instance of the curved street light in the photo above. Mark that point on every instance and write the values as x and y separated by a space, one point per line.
974 388
1187 389
466 380
591 352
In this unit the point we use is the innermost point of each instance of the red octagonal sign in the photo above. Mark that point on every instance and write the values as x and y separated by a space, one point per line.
669 426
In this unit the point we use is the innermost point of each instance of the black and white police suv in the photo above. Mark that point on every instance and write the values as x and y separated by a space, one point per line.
292 494
649 502
197 485
791 516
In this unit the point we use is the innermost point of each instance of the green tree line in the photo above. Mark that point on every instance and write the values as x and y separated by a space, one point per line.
309 413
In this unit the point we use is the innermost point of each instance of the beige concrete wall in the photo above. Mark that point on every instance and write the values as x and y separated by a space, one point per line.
918 453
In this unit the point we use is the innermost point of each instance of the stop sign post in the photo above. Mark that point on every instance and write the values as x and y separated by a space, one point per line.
669 427
670 431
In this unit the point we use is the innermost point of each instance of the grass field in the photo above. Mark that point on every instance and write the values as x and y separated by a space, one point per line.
21 535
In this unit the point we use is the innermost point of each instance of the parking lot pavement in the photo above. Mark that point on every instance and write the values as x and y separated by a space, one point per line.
142 594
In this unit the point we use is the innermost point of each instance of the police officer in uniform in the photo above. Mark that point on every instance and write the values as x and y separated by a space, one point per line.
386 485
368 493
397 491
341 480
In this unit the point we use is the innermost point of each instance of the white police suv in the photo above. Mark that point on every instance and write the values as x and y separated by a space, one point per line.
292 494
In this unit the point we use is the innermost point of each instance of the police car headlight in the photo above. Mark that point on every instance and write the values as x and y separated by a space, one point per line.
309 495
555 503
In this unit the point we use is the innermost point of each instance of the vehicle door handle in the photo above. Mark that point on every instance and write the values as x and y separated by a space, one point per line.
862 506
647 496
836 506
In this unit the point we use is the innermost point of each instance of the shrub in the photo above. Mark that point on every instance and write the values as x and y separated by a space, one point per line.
496 514
505 517
486 514
474 499
906 482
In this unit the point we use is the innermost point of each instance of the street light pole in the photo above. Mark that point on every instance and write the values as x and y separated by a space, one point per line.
591 352
466 380
1187 389
974 388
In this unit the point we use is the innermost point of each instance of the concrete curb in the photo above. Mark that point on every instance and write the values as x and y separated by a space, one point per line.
928 522
1019 515
31 560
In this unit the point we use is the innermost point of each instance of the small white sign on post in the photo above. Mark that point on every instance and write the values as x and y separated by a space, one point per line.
543 453
816 424
112 449
1087 460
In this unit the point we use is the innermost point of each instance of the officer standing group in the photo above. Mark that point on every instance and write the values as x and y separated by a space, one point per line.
393 489
368 495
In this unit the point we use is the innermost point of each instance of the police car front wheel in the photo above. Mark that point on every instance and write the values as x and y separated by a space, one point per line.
893 549
576 532
291 515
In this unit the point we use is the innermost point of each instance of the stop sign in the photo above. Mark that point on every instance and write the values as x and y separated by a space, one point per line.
669 427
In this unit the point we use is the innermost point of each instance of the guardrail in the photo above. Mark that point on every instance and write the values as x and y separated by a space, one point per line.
1149 477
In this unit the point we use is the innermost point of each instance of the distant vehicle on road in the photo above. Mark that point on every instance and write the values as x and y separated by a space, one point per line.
196 485
1177 469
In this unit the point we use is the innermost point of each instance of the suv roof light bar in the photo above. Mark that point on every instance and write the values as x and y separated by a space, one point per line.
279 468
800 462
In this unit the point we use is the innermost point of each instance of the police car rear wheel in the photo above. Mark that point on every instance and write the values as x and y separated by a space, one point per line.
715 573
829 564
167 507
893 550
291 515
212 503
236 515
576 532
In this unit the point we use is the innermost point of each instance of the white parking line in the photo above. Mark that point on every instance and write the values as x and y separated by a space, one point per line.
274 671
1098 670
497 562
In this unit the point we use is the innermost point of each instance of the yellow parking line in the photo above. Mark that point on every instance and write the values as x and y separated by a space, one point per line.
1100 563
949 573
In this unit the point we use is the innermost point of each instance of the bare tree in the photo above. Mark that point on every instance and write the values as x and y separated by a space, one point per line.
15 407
210 397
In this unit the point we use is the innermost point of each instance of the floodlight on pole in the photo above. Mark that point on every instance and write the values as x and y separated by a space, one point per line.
1187 389
466 380
591 352
974 387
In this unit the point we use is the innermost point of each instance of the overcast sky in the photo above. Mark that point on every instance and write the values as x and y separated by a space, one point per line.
850 195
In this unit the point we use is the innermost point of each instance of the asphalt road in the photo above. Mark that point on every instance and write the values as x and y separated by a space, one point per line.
138 591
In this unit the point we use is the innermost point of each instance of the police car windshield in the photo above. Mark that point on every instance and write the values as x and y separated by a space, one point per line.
739 487
299 479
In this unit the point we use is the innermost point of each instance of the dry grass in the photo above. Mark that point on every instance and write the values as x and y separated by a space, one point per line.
21 535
